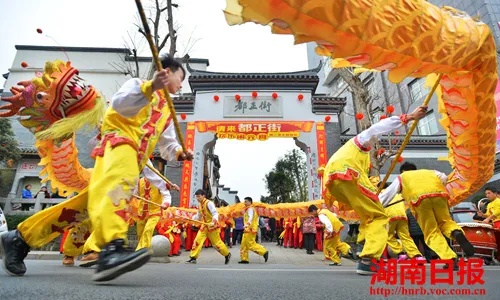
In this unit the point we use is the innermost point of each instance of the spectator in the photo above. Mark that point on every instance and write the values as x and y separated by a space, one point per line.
43 191
238 230
309 231
26 194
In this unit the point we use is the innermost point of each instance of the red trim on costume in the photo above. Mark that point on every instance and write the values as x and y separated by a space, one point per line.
114 140
437 194
361 147
398 218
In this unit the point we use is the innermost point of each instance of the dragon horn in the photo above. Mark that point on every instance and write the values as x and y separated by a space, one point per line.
24 83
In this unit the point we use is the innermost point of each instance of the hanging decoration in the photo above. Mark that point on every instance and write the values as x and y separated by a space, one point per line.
390 109
360 116
237 97
275 96
254 94
300 97
216 98
328 118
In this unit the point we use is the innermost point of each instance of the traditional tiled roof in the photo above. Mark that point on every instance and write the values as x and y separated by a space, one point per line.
205 80
28 150
326 104
416 142
184 103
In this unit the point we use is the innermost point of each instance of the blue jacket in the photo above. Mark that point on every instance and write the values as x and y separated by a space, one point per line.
27 194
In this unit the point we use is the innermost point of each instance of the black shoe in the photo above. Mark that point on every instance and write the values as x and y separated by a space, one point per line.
228 258
466 246
14 249
191 260
115 260
266 256
349 255
244 262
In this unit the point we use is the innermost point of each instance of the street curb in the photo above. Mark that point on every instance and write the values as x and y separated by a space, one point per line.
54 255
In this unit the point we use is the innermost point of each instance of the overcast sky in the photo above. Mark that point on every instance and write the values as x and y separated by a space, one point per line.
203 33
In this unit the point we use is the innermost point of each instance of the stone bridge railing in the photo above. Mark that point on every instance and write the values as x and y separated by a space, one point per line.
9 203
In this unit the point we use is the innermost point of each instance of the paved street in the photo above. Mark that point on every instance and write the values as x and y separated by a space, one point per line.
289 274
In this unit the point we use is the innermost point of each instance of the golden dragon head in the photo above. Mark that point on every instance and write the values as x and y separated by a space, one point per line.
55 103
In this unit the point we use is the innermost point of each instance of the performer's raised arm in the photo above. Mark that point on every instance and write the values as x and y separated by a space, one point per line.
389 124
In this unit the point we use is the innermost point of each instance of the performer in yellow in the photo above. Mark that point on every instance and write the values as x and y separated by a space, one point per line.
248 243
332 244
493 209
398 224
137 121
151 187
207 213
428 199
346 180
149 214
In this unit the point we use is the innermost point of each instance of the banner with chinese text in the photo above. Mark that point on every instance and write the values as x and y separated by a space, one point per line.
258 130
187 168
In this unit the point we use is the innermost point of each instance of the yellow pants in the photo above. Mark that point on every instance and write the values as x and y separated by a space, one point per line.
145 230
111 186
371 214
248 243
76 239
214 237
401 228
46 225
361 234
332 246
434 218
91 245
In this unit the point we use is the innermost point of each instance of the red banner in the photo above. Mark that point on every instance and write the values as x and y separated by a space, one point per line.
258 130
321 138
187 168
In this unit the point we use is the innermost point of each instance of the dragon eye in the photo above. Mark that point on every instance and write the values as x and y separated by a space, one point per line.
39 96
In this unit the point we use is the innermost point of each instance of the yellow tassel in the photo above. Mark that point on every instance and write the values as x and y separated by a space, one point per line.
65 126
282 234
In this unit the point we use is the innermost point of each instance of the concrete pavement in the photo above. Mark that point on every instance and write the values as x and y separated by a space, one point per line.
277 255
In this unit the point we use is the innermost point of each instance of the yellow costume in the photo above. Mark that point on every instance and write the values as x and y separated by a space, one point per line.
493 209
212 232
248 243
398 223
131 139
346 180
425 191
149 214
332 244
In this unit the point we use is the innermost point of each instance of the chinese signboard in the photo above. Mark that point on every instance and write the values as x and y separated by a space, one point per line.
186 168
249 107
252 131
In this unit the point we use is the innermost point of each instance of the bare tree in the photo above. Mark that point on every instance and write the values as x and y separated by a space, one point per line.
372 103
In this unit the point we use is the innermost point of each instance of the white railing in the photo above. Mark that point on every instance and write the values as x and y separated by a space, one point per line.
39 202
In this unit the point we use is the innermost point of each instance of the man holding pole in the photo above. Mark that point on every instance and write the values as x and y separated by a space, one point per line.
207 214
346 180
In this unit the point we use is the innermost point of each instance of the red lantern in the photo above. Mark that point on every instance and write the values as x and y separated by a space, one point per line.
390 109
24 64
183 116
275 96
400 159
300 97
396 132
383 117
254 94
216 98
328 118
39 30
360 116
237 97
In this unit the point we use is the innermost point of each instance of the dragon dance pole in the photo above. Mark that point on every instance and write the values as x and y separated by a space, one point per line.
158 66
407 137
159 174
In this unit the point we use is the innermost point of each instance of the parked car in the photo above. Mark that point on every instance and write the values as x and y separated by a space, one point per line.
463 212
3 222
